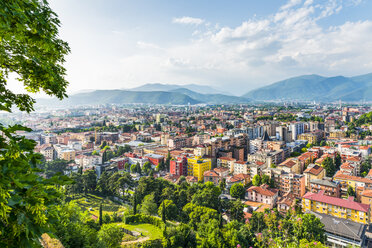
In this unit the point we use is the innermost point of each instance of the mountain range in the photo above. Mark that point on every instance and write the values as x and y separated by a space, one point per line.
301 88
203 89
175 96
315 87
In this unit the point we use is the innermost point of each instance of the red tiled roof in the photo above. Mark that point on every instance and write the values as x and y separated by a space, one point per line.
315 170
210 173
220 169
262 191
341 176
288 163
239 162
367 193
369 173
345 203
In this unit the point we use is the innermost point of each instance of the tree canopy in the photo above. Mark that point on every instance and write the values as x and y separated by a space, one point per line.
30 50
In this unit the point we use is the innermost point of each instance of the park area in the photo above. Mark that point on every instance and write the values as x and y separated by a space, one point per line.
92 202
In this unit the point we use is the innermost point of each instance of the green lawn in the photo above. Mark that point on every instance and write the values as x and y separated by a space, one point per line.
148 230
91 203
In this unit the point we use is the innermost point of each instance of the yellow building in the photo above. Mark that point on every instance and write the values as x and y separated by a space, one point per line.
337 207
196 166
337 134
67 154
310 137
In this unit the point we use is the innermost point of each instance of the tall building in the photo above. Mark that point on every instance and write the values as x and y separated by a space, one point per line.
296 129
197 166
178 166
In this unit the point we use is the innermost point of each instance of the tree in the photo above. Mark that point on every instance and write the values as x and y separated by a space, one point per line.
329 166
265 179
350 191
149 205
167 161
146 168
139 170
160 166
181 236
30 50
127 166
236 210
106 218
208 196
338 161
103 144
256 181
52 167
222 185
309 227
135 202
110 235
133 168
163 213
168 210
100 214
73 227
104 183
89 179
237 191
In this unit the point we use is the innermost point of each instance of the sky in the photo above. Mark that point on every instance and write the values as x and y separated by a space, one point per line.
235 45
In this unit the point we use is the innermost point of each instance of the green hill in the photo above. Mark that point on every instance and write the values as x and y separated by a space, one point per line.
121 97
315 87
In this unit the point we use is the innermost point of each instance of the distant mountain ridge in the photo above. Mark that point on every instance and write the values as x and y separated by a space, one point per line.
177 96
98 97
202 89
315 87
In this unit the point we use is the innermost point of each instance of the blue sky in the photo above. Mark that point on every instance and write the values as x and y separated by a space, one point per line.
234 45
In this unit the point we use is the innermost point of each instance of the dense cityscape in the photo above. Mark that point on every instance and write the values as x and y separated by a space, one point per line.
182 124
315 158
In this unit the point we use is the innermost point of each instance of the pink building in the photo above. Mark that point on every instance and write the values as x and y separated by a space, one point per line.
262 194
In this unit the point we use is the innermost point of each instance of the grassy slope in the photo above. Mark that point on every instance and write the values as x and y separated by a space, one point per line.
148 230
94 201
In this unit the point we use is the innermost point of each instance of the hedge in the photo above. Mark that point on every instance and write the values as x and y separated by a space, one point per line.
143 218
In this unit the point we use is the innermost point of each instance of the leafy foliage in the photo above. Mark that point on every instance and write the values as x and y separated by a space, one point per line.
237 191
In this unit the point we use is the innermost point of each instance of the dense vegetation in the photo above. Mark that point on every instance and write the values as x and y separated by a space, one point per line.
364 119
198 210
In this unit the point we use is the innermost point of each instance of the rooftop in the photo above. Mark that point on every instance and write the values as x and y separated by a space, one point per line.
345 203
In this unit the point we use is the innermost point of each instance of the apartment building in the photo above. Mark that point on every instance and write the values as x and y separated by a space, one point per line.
313 171
262 194
292 183
337 207
329 187
197 166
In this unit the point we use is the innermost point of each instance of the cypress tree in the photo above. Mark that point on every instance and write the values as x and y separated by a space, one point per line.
135 202
163 217
100 214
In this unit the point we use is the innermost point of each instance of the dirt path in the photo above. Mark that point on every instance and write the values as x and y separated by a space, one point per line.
135 241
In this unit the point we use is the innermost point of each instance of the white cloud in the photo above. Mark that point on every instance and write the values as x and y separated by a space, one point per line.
147 45
188 20
258 51
287 43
